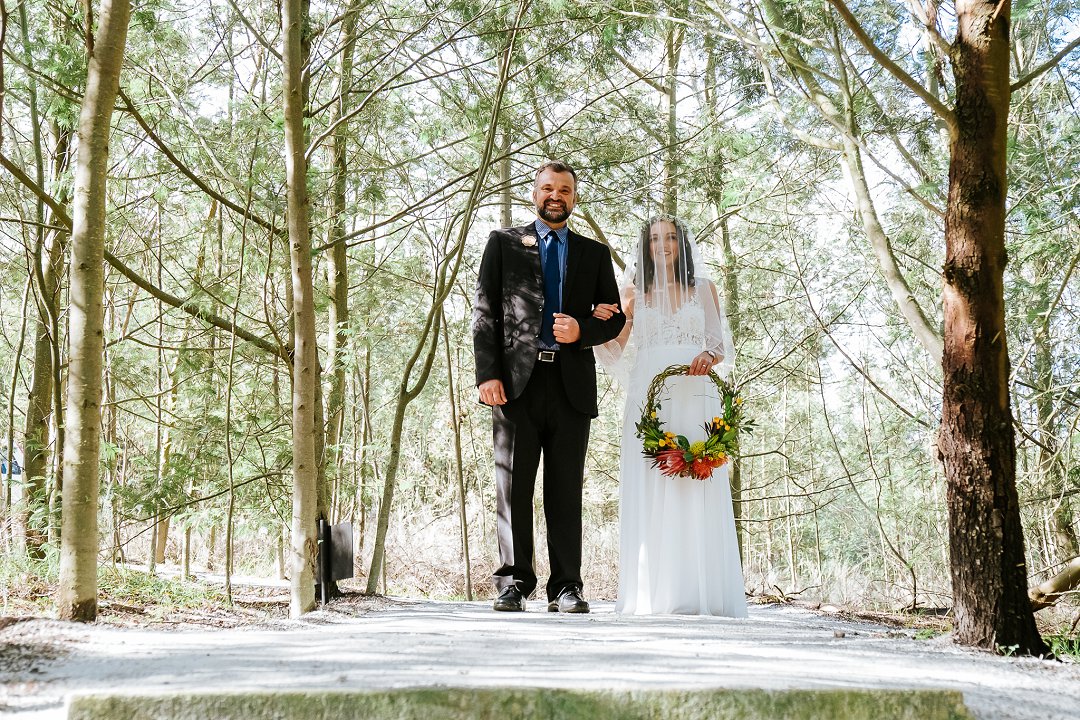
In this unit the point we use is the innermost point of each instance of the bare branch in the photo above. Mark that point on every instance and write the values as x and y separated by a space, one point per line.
641 74
929 21
1049 64
60 213
184 169
895 70
258 36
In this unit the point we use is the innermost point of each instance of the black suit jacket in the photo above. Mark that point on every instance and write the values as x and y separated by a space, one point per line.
510 300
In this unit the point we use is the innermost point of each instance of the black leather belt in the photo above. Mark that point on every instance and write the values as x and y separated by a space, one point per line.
547 355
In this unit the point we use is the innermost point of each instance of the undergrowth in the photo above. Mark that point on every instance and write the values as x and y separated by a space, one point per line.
139 588
29 587
1064 645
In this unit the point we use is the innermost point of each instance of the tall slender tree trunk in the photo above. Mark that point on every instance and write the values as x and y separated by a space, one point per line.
363 398
31 492
673 51
446 272
506 198
925 333
160 532
729 273
975 442
880 241
77 593
882 246
8 534
109 434
458 471
49 267
337 271
305 365
1052 469
730 282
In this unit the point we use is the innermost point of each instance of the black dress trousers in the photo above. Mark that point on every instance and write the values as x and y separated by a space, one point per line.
541 422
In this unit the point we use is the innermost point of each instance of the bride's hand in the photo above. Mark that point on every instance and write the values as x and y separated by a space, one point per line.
604 311
701 364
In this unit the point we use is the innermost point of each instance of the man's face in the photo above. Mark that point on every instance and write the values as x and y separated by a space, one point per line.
554 195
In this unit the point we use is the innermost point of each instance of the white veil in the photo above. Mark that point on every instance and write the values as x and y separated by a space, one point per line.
666 278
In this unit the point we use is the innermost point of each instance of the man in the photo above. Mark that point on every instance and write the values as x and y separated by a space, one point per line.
533 333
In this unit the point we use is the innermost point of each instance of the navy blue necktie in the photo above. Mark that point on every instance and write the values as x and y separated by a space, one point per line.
551 290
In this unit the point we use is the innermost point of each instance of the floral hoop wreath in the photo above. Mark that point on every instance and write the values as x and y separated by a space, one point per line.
675 455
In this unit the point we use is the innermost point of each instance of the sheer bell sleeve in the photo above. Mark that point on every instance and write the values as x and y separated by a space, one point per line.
616 356
717 331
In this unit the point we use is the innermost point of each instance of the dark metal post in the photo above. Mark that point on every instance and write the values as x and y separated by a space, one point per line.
324 560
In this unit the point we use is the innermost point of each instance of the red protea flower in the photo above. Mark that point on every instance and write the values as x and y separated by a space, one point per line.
670 462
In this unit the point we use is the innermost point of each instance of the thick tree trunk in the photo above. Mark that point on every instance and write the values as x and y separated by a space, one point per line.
77 593
305 365
976 443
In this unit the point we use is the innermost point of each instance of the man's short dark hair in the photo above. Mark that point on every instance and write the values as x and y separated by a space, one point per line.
559 167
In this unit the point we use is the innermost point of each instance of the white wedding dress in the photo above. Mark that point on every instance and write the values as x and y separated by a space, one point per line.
678 551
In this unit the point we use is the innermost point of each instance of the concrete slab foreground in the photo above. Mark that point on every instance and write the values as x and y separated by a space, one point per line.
530 704
393 649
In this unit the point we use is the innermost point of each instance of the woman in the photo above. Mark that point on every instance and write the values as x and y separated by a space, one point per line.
678 551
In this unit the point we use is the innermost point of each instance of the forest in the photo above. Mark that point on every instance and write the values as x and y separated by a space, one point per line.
240 241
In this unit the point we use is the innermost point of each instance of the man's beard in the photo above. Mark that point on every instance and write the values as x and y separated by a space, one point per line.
554 212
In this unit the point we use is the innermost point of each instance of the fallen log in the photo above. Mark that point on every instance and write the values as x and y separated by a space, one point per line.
1050 591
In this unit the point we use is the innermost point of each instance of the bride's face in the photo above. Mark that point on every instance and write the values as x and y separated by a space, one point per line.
664 244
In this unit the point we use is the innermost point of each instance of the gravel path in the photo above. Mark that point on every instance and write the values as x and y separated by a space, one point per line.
458 644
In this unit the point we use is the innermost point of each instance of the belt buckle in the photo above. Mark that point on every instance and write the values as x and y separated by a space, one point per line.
546 356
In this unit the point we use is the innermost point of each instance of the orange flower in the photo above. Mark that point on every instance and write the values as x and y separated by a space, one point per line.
702 468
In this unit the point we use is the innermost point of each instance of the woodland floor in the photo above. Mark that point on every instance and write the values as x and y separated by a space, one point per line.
363 642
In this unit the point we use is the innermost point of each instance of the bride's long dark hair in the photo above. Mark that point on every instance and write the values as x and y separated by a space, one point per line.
684 264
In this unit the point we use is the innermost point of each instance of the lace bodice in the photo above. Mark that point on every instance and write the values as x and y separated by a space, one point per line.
655 330
685 327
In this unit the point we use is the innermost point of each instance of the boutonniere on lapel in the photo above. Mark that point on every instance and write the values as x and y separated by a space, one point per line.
528 241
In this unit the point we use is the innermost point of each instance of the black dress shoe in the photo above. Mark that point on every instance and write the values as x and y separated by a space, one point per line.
510 600
569 601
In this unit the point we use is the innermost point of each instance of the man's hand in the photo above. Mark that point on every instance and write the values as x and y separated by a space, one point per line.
492 392
604 311
567 329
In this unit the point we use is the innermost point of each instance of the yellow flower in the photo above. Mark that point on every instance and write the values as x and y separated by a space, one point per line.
716 420
654 414
697 448
738 401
